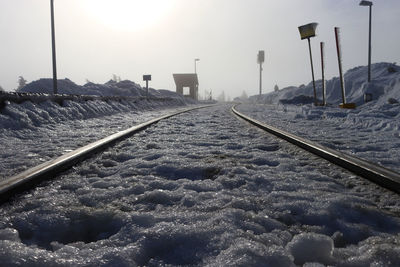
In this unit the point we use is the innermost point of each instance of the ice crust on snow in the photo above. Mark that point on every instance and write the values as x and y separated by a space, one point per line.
201 189
321 247
371 131
194 190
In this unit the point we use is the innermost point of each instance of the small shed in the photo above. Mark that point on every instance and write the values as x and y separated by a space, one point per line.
189 80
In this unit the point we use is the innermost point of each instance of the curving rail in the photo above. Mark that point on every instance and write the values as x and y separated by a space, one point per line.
48 170
375 173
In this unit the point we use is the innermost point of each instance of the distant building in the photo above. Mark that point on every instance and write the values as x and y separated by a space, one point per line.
187 80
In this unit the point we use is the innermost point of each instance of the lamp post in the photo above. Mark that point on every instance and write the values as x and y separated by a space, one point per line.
195 64
306 32
53 45
368 3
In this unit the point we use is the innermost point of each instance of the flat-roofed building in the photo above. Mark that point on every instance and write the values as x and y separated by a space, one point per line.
187 80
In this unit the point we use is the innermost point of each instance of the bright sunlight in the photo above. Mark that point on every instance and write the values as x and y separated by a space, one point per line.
129 15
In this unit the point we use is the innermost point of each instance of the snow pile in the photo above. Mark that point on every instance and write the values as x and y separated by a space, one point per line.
111 88
34 114
30 115
385 85
321 247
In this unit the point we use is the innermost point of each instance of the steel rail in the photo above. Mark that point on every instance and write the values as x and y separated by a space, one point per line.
48 170
371 171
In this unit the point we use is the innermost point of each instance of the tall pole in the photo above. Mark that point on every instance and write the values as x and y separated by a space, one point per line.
195 65
323 74
53 41
312 71
147 89
261 69
339 55
369 45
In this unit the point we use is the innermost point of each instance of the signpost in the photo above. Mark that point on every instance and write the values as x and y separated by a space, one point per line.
147 78
260 60
306 32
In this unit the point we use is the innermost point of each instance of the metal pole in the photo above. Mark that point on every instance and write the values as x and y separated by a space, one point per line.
53 41
195 65
323 74
340 64
147 89
369 45
312 71
260 78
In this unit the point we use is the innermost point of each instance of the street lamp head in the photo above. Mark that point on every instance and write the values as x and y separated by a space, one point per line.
308 30
197 59
365 3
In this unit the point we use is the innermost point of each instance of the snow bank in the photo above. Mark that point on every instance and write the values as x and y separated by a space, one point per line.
385 85
42 108
29 115
66 86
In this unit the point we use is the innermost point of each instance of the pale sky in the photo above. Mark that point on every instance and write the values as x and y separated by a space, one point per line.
129 38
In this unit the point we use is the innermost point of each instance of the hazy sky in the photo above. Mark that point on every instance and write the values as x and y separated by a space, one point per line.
129 38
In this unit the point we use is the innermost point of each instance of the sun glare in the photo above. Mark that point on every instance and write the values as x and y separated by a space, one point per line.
129 15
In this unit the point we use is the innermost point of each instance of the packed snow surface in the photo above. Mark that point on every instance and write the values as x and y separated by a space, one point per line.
371 131
203 189
32 133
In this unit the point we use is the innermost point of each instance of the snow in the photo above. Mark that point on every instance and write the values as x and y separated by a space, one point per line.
321 246
201 188
111 88
384 85
371 131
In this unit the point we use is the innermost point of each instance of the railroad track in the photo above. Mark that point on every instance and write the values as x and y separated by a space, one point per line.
25 180
200 189
369 170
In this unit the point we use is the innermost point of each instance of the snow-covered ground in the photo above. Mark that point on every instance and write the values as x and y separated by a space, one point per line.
33 133
203 189
371 131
